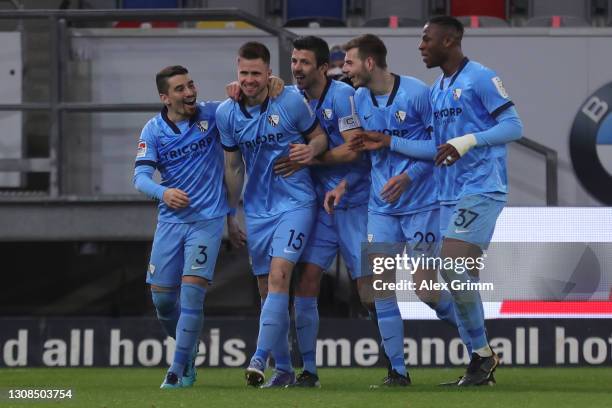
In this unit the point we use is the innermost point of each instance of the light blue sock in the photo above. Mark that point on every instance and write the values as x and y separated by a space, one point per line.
280 352
391 329
307 328
189 325
167 308
273 325
469 310
445 310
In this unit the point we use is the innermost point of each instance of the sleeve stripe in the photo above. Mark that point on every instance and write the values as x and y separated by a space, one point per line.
229 148
311 128
145 163
502 108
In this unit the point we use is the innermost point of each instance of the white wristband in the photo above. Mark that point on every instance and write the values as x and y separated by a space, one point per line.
463 143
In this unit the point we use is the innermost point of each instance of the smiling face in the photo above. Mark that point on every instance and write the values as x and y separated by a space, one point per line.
304 69
180 98
434 45
356 69
253 75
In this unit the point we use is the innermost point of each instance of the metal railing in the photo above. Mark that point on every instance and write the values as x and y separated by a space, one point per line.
550 155
57 106
58 52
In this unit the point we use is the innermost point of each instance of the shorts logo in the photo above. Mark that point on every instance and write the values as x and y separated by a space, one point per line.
142 149
370 237
591 144
273 120
500 87
456 94
327 113
151 269
203 126
400 116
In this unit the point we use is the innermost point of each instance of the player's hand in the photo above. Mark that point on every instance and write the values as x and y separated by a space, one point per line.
275 86
233 91
333 197
395 187
285 167
236 234
447 155
375 140
175 198
301 153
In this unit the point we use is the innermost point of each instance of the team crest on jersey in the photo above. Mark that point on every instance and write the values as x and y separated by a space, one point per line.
400 116
203 125
142 149
327 113
151 269
456 94
370 237
273 120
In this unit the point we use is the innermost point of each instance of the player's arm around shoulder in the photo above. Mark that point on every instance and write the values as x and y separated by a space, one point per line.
233 163
305 122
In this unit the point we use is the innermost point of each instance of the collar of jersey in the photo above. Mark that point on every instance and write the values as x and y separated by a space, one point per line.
262 109
396 83
172 125
323 94
456 74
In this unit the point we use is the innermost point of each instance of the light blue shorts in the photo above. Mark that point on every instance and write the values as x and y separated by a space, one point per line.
420 231
184 249
472 219
344 230
285 236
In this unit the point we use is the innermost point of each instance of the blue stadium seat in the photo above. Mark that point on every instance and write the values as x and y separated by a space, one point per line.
149 4
326 13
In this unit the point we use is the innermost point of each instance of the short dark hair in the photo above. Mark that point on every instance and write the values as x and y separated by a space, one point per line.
254 50
448 22
369 45
161 79
317 45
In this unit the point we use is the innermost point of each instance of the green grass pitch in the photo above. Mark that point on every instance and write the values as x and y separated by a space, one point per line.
138 387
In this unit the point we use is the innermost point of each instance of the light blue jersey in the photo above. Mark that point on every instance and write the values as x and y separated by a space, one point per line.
263 134
189 157
336 112
404 113
469 102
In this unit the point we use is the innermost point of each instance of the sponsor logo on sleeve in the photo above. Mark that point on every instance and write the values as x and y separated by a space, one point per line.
500 87
142 149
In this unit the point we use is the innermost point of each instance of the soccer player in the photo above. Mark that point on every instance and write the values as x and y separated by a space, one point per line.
473 120
345 230
402 206
279 210
182 143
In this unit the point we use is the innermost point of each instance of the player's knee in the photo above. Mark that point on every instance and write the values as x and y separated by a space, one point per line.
192 296
429 297
165 301
195 280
